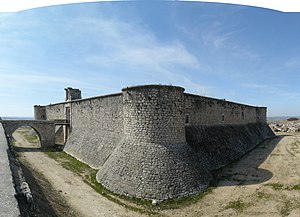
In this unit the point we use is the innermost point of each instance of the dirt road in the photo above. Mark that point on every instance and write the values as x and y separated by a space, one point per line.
265 182
79 198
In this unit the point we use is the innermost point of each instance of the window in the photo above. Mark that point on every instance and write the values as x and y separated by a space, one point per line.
223 118
243 116
68 113
187 119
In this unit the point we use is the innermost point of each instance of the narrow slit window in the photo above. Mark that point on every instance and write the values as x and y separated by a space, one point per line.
243 115
223 118
187 119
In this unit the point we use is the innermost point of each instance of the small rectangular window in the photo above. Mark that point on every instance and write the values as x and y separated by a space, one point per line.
223 117
243 116
187 119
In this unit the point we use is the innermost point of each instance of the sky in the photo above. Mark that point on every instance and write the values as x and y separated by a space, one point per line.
243 54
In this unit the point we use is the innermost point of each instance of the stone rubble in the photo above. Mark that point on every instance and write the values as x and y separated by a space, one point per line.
285 126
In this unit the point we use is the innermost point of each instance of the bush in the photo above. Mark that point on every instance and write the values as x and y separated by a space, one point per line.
292 119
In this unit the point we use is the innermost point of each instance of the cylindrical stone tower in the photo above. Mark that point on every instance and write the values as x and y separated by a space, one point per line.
153 160
39 112
154 114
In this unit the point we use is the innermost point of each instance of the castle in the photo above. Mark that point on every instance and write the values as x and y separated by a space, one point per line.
155 141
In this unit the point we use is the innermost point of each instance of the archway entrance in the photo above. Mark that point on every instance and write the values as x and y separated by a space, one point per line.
26 138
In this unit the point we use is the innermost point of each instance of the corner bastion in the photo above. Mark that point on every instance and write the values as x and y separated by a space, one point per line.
153 160
155 141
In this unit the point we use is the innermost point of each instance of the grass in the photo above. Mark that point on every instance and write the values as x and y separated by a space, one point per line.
276 186
262 195
237 205
280 186
185 201
88 175
139 205
288 206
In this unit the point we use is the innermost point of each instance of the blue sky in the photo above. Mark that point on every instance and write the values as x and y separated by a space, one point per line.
244 54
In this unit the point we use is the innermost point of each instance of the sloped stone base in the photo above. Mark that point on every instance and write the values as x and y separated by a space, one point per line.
154 171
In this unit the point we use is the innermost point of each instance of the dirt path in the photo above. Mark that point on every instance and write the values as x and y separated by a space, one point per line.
80 197
265 182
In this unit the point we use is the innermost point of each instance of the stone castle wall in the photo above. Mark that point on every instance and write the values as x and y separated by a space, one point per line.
97 128
208 111
153 159
156 141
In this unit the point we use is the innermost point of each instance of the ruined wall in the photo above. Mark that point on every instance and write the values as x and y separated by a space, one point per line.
208 111
97 128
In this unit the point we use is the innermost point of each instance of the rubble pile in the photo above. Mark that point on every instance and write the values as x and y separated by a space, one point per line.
286 126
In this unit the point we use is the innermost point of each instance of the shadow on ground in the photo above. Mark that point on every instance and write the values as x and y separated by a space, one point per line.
246 171
56 148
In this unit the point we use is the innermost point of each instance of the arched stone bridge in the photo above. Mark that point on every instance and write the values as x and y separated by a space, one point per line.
44 129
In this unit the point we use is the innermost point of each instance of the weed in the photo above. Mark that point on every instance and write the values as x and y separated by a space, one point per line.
176 203
295 187
139 205
276 186
287 208
279 186
262 195
237 205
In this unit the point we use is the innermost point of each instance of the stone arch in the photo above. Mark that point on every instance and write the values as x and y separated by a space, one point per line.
30 128
44 129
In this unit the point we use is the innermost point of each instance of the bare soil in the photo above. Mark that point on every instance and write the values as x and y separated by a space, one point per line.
265 182
59 192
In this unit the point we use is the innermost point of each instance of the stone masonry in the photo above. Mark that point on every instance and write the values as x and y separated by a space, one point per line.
155 141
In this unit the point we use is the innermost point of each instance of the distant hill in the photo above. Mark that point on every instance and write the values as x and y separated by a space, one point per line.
280 118
17 118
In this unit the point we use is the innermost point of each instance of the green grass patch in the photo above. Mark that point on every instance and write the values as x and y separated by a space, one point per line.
31 138
295 187
185 201
288 206
139 205
88 175
279 186
237 205
262 195
276 186
70 163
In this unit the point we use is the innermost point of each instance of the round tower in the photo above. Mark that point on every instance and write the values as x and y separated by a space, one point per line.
154 114
39 112
153 160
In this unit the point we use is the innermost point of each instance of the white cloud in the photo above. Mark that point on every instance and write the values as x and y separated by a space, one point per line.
136 48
